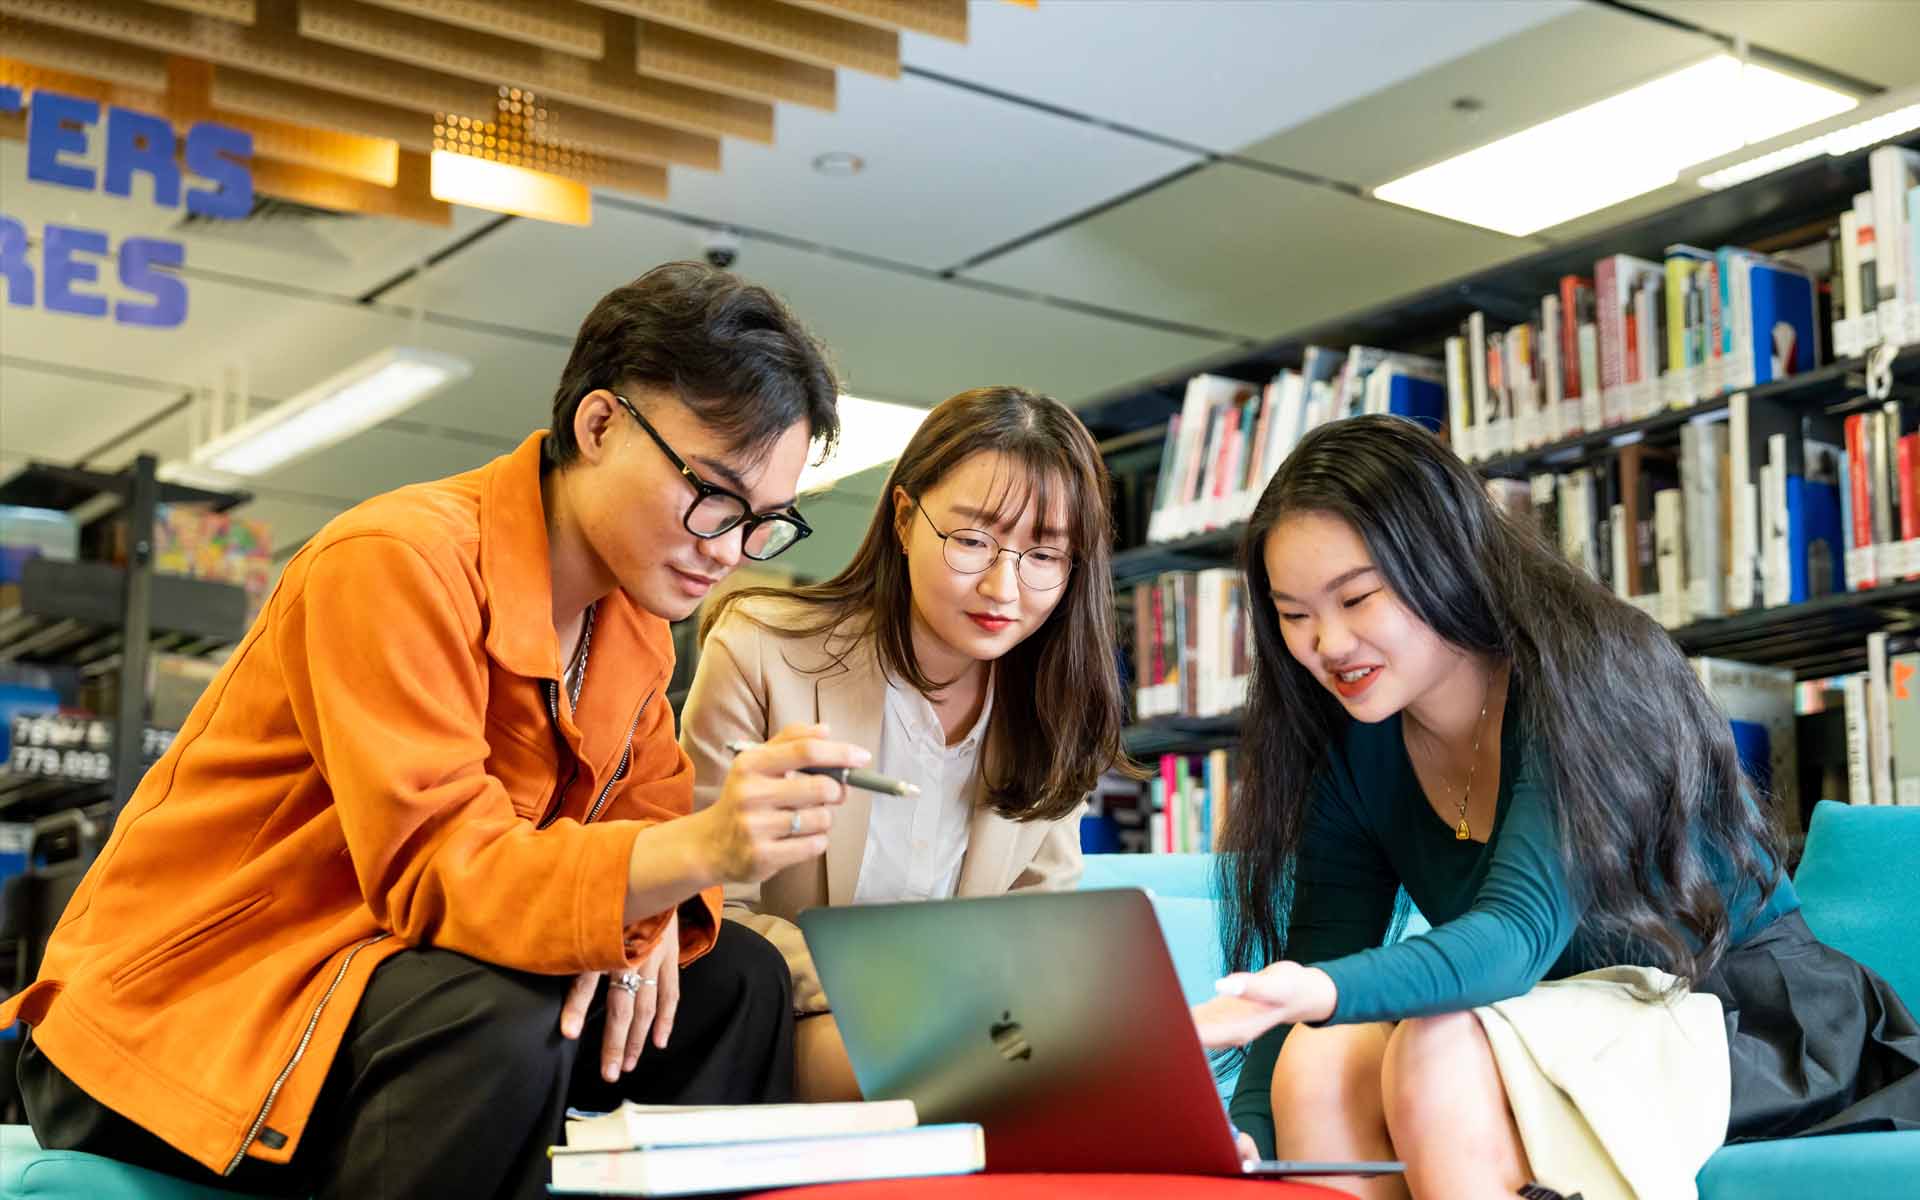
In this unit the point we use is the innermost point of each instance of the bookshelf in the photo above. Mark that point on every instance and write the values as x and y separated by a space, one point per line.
1818 638
1776 210
95 617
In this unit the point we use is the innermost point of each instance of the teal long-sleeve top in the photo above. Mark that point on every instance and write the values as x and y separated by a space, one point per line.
1503 915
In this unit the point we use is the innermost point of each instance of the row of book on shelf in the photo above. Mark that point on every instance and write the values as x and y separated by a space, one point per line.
1635 338
1185 803
1761 505
1230 436
1639 337
1192 645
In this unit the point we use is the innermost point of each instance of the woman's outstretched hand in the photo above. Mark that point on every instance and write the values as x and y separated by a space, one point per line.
1250 1003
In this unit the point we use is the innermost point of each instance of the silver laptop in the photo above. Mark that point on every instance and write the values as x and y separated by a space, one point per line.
1052 1019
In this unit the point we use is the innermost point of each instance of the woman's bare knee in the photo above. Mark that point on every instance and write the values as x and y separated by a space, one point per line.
1327 1105
1328 1076
1446 1107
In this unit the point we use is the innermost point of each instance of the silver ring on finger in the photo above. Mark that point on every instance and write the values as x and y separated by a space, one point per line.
628 982
793 826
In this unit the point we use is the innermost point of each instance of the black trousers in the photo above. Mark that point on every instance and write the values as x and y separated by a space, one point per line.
453 1078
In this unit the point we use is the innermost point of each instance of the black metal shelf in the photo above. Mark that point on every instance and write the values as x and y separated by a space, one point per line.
68 613
1175 735
1215 548
1821 637
87 613
25 797
49 485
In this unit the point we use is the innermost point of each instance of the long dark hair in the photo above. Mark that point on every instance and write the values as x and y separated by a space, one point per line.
1057 703
1646 781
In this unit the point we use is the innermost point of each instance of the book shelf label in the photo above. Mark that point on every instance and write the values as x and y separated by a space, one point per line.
1860 567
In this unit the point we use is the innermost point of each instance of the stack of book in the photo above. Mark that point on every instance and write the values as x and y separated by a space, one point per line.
672 1150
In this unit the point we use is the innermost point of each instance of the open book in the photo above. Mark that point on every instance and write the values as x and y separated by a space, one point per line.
632 1126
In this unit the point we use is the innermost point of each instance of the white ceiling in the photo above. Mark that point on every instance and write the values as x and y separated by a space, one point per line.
1087 194
1216 74
1235 248
990 175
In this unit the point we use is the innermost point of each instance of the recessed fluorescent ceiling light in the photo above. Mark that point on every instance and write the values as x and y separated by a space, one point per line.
1844 140
871 432
1618 148
358 398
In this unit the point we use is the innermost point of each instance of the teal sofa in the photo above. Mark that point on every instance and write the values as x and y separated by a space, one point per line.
1859 883
1859 880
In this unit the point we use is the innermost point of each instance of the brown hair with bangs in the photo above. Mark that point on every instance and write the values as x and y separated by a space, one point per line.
1057 703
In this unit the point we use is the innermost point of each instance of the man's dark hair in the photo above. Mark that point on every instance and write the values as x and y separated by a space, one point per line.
729 350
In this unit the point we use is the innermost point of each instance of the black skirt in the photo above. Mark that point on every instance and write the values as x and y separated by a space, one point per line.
1817 1043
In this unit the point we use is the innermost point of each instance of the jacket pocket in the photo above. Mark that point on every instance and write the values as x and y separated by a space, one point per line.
183 942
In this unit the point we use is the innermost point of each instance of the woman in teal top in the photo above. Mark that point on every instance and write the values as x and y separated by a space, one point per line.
1442 703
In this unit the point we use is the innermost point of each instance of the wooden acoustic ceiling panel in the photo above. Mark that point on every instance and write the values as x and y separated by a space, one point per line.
264 48
610 87
664 52
345 97
227 10
253 95
938 18
369 159
562 25
76 54
776 28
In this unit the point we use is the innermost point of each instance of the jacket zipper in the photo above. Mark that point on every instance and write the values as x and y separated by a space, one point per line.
273 1093
626 756
560 743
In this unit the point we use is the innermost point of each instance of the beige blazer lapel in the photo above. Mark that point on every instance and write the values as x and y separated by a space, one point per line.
851 702
992 842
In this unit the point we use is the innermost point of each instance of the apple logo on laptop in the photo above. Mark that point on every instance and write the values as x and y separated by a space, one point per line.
1009 1039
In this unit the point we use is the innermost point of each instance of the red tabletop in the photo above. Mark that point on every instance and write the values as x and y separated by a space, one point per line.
1061 1187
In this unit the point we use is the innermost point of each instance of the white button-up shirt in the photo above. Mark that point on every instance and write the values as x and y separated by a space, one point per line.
915 845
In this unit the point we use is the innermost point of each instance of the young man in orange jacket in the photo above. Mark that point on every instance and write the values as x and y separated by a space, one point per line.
429 832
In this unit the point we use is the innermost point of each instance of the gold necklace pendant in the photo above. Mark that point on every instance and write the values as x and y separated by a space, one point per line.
1460 833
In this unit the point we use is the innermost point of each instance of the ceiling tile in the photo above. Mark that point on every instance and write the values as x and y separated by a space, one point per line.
1218 73
894 335
1536 74
948 172
1872 40
60 417
1233 248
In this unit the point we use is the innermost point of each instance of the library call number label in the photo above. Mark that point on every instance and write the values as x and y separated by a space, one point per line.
56 746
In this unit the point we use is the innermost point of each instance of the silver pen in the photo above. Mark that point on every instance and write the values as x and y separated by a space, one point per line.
857 777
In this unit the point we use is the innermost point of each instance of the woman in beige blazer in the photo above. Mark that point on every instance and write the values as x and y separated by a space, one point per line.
970 645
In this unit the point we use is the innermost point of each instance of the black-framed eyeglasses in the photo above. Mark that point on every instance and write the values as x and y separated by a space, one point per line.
971 551
716 511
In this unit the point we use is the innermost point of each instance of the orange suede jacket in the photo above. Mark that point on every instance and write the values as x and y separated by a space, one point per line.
384 762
